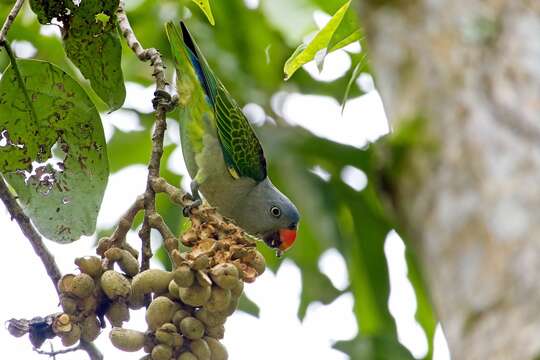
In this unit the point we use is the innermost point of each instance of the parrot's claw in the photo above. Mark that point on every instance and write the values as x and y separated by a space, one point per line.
195 197
162 99
186 211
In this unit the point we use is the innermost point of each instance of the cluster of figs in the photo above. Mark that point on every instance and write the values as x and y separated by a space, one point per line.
188 306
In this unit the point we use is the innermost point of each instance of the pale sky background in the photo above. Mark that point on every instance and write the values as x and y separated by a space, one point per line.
277 333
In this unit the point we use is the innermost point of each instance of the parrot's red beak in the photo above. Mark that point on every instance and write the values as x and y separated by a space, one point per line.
287 237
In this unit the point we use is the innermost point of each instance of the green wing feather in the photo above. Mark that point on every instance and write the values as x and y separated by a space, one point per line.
241 148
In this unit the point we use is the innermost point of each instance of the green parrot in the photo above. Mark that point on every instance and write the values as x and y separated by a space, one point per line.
222 152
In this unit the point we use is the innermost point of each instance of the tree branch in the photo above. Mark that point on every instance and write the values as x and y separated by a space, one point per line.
91 349
9 20
30 232
156 62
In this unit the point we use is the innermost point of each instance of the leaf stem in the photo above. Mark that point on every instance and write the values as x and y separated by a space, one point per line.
9 20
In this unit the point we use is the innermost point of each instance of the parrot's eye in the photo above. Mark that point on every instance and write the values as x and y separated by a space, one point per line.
275 211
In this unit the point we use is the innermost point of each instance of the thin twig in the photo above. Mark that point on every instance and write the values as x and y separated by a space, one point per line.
9 20
169 240
30 232
177 195
53 352
118 237
156 62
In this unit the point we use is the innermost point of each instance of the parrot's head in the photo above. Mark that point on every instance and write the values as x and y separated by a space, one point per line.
271 215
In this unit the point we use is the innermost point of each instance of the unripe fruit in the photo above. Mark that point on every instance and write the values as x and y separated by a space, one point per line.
115 285
203 279
210 319
152 280
173 290
71 337
237 290
187 356
200 349
88 305
118 313
217 349
231 308
82 286
90 265
65 284
179 316
124 259
217 332
126 339
195 295
161 352
225 275
219 299
183 276
90 328
165 334
192 328
69 304
178 341
160 311
201 262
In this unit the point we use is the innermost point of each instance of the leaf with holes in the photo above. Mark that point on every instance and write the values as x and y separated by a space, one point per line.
206 9
52 149
92 44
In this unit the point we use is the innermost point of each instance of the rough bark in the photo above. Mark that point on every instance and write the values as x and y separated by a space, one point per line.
471 68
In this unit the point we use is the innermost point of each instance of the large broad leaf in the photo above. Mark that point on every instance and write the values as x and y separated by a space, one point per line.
331 37
425 314
206 9
91 42
59 187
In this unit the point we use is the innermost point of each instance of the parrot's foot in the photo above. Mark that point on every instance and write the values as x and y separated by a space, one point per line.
164 100
195 197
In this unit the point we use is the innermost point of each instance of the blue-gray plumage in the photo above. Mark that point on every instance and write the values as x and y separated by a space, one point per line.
222 152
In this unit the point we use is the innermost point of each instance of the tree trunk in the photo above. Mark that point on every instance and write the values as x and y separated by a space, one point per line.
471 68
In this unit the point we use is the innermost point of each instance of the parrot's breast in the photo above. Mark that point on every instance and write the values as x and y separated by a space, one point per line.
216 184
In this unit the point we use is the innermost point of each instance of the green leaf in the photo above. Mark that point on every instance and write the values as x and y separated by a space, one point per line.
206 9
46 10
305 53
356 72
92 44
62 195
248 306
425 314
129 148
374 348
315 287
347 32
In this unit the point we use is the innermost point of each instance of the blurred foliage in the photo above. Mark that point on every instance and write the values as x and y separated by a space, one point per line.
247 48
